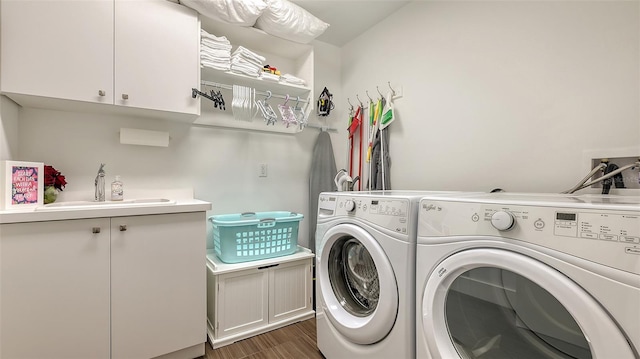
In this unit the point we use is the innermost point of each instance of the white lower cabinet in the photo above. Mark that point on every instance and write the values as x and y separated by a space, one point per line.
247 299
54 289
119 287
158 293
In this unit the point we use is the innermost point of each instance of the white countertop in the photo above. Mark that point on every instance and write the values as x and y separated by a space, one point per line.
110 210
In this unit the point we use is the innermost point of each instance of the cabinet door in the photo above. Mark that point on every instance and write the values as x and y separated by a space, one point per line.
54 289
158 284
290 290
58 49
157 56
241 302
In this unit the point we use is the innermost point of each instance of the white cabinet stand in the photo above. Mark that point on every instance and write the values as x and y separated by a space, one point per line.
251 298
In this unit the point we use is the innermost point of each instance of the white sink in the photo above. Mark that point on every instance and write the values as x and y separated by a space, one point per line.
94 204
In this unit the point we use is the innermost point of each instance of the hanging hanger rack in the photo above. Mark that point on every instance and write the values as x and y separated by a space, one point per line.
268 95
195 92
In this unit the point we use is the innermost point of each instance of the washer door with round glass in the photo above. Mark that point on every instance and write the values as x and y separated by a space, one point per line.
491 303
357 284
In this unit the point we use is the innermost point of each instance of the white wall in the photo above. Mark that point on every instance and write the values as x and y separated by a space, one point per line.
503 94
8 129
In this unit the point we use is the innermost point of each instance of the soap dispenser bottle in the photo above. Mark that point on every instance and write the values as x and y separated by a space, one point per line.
117 192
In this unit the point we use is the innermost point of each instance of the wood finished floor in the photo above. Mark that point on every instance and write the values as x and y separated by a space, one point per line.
293 341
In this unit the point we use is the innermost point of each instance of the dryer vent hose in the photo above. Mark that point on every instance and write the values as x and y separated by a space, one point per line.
617 178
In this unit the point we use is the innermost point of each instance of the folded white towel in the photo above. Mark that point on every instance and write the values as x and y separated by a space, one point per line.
245 66
242 60
247 70
215 61
244 72
288 78
215 65
243 51
219 39
214 45
269 76
215 53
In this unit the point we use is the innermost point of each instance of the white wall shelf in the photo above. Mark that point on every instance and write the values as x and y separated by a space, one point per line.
289 57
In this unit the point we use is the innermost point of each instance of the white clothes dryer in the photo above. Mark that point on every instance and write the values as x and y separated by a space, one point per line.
365 274
510 275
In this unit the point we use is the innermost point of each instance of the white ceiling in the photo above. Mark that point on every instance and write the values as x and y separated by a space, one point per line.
348 19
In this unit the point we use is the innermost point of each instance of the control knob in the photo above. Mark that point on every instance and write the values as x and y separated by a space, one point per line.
350 205
503 220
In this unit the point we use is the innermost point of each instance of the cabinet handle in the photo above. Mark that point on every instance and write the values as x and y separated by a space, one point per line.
102 93
123 227
95 230
125 96
269 266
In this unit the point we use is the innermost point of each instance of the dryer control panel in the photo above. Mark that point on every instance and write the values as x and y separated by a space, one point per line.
390 213
609 237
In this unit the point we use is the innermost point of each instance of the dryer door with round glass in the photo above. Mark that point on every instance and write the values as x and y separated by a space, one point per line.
492 303
357 283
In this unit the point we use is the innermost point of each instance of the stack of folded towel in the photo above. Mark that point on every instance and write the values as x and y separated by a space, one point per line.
246 62
292 80
215 52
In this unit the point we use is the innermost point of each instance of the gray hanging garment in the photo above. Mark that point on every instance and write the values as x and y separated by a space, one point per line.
381 142
323 169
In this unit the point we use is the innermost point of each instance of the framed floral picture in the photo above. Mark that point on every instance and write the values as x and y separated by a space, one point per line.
21 185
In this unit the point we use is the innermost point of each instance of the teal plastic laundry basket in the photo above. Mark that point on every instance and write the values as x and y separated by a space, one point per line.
252 236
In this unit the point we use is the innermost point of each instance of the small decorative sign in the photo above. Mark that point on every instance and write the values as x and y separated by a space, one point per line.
21 185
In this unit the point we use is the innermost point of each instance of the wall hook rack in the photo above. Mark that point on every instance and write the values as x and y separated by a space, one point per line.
395 94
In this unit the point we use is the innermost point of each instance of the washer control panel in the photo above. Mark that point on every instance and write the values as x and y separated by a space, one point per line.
390 213
610 237
601 226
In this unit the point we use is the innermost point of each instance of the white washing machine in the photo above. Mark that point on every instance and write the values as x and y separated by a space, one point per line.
522 276
365 274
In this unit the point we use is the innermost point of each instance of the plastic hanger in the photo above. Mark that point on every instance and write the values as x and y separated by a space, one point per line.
288 117
267 111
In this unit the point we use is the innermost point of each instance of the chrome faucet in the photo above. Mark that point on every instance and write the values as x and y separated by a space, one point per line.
99 184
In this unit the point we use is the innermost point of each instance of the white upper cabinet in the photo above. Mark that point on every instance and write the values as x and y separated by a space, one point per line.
157 60
140 55
58 49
